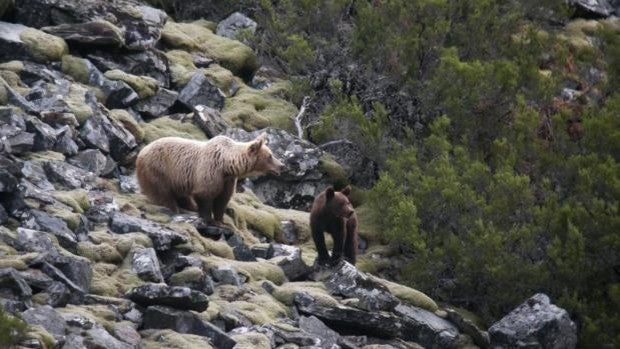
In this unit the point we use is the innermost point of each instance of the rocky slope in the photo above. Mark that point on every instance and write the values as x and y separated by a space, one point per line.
87 262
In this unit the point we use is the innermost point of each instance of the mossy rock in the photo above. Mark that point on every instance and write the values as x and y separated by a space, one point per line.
43 47
12 79
186 276
199 244
253 109
221 77
409 295
122 242
39 334
102 252
168 339
76 101
249 214
47 155
145 86
123 117
19 262
333 170
251 340
255 304
4 94
167 127
71 218
76 199
231 54
112 281
181 66
76 68
99 313
253 271
286 293
14 66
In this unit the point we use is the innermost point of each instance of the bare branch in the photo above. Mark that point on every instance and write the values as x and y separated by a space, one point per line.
299 118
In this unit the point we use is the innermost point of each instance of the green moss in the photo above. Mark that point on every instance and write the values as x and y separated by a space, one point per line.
44 338
47 155
4 96
231 54
220 76
333 170
99 313
286 293
181 67
409 295
122 242
167 127
12 329
76 199
14 66
187 275
75 67
145 86
99 252
252 340
168 339
11 78
123 117
43 47
253 109
366 227
71 218
253 271
247 214
76 101
112 281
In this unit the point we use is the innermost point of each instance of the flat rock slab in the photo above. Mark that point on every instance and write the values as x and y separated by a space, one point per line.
162 237
171 296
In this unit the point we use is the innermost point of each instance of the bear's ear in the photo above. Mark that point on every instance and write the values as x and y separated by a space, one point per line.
347 190
257 143
329 193
264 137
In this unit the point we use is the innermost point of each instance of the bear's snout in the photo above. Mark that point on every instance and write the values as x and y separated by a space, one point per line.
277 167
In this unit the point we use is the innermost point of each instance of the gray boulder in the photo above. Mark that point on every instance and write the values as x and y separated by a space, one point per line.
428 329
347 281
48 318
234 24
158 317
68 175
145 263
312 325
592 8
43 221
157 105
535 324
209 120
201 91
171 296
360 170
162 237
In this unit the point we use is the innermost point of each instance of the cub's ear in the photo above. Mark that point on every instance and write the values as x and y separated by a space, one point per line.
347 190
257 143
329 193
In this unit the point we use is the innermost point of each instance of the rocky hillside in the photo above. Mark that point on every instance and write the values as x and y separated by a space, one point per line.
87 262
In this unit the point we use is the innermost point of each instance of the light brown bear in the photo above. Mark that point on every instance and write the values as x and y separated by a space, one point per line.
177 172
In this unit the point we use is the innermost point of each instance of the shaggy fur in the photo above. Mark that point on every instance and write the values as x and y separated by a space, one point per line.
332 212
177 172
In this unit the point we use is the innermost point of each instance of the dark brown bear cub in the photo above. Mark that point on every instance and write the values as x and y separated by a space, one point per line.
332 212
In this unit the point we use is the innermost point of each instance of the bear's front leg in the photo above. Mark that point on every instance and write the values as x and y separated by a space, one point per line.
205 207
319 242
338 233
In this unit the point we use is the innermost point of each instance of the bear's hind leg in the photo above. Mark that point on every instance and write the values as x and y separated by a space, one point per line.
187 203
205 209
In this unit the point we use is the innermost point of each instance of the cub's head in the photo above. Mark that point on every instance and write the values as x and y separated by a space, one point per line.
337 202
264 162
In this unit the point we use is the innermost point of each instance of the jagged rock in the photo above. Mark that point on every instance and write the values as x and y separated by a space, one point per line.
193 277
162 237
535 324
592 8
346 280
428 329
227 275
303 177
157 105
128 334
201 91
12 306
172 296
141 24
19 142
109 136
13 285
263 251
36 279
8 181
98 337
469 327
13 132
134 315
209 120
129 184
45 135
240 250
212 231
58 294
91 160
96 33
157 317
292 264
145 263
4 216
64 141
29 240
312 325
42 221
234 24
20 42
48 318
68 175
152 63
289 232
118 94
360 170
33 172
